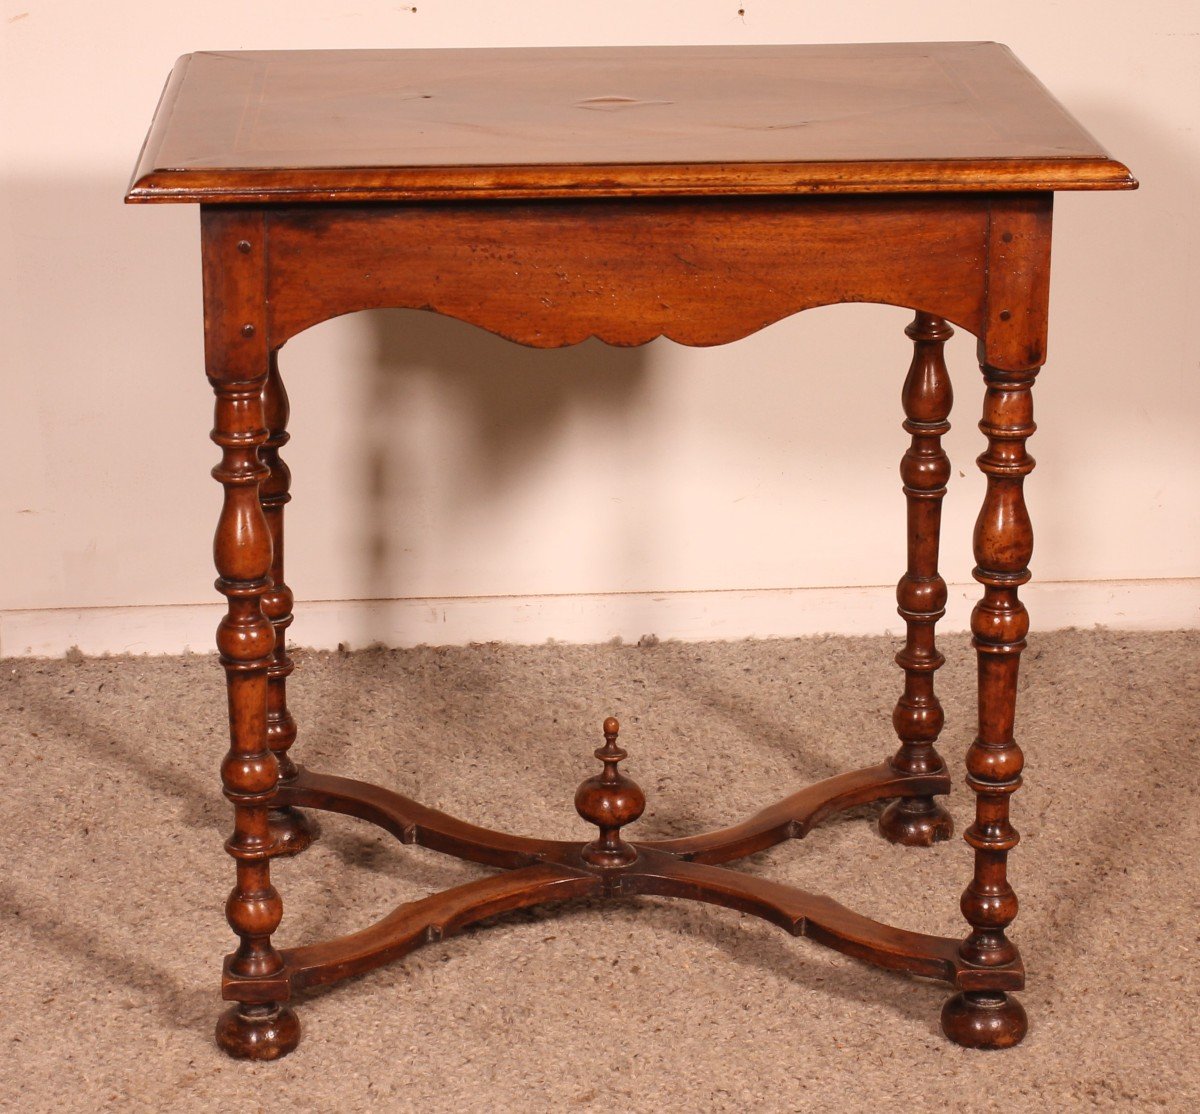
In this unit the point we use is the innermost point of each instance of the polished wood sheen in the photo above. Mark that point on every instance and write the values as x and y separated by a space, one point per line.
390 125
921 594
610 800
293 830
698 194
246 641
698 271
554 870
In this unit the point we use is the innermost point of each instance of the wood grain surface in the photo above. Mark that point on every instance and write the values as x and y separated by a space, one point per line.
415 124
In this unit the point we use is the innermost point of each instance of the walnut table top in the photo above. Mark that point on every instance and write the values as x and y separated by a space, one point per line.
270 126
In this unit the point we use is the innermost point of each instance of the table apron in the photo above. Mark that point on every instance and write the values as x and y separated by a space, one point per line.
699 271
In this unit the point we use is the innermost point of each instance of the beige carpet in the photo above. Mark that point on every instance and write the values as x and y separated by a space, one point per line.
112 880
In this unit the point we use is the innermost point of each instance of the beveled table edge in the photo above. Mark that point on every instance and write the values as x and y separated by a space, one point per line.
271 186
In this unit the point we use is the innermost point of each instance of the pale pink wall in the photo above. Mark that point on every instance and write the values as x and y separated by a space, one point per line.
490 470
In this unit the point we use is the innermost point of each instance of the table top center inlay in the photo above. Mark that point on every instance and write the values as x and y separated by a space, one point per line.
276 126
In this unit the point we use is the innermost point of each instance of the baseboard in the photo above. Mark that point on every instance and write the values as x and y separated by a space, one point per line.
687 616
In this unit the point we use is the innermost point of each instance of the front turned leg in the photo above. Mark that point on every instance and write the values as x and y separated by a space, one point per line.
251 1028
921 593
999 623
293 830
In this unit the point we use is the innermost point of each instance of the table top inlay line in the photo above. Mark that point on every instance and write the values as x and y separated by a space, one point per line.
276 126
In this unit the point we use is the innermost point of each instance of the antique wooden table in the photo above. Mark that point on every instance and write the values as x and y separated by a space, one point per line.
553 195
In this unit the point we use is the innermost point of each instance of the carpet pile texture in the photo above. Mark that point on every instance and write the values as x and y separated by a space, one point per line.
113 878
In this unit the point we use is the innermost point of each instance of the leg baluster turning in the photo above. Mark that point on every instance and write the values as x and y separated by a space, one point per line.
255 1027
999 623
293 830
921 593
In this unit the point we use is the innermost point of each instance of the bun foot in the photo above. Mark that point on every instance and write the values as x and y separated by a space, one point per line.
292 830
984 1020
915 822
258 1032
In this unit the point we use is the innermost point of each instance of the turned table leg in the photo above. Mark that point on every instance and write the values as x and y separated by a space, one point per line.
293 830
999 623
921 593
246 640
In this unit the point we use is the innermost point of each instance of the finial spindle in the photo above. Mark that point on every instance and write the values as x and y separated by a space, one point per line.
610 800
